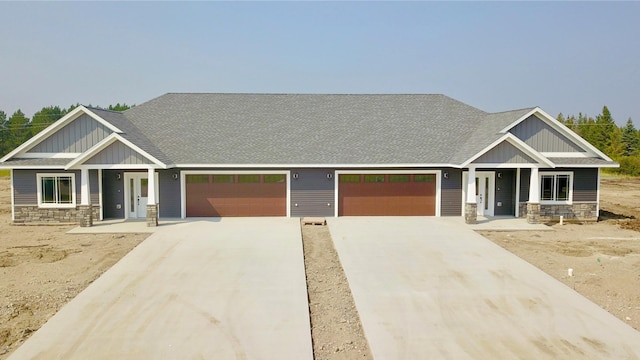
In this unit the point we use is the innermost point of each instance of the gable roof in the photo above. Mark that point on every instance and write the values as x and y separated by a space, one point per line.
305 129
316 130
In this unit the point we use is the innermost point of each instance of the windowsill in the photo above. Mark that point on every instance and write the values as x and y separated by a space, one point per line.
546 202
57 206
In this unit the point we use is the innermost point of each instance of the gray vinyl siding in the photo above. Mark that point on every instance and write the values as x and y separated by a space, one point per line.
542 137
169 194
525 175
585 184
312 193
504 153
94 188
451 193
112 194
25 187
76 137
120 154
505 193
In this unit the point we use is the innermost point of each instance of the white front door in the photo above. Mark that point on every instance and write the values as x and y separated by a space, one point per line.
136 192
485 185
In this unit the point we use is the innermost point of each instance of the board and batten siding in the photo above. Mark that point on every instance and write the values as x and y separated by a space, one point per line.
504 153
169 194
312 193
451 193
542 137
118 154
25 186
76 137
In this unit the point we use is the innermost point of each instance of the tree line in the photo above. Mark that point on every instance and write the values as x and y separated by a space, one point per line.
620 143
18 128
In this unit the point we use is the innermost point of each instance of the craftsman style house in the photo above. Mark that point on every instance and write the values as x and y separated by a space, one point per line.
212 155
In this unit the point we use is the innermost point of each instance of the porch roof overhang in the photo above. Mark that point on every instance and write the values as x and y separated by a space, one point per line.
102 145
541 160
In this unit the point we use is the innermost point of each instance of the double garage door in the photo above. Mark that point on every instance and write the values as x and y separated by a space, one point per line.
219 195
387 194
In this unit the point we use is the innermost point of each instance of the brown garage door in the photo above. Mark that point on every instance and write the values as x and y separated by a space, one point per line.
236 195
387 194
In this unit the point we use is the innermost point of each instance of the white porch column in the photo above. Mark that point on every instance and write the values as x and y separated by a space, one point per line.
85 192
534 186
471 186
151 195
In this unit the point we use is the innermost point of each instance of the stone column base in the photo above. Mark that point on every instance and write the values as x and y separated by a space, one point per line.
84 215
533 213
152 215
471 213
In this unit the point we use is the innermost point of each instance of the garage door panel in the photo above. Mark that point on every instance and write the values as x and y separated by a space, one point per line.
229 197
403 195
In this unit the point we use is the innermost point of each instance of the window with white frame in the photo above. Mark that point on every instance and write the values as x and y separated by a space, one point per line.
556 187
56 190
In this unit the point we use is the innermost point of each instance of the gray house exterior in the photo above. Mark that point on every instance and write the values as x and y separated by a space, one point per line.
297 155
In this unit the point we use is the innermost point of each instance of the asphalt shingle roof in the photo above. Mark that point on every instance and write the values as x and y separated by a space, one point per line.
306 129
131 132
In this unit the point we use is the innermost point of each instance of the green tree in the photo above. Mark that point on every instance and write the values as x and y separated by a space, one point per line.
18 129
4 136
605 126
45 117
118 107
615 146
630 139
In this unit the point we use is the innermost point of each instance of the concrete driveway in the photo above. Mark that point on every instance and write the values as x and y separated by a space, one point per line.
232 289
429 288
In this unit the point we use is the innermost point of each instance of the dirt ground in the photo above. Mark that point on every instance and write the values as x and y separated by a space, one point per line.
604 256
42 268
336 330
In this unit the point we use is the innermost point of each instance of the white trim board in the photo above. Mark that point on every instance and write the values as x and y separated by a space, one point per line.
104 143
42 135
542 115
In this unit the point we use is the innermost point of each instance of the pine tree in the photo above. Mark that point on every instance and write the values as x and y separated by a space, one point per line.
19 129
45 117
630 139
605 126
4 136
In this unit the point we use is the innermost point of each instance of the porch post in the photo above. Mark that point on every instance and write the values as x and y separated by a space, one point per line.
152 206
533 205
84 214
471 207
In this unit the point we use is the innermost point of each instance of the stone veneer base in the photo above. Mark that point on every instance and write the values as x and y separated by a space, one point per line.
471 213
578 211
34 215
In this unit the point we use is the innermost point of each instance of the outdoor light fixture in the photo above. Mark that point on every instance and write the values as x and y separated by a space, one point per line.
329 175
499 175
118 176
295 175
445 175
175 176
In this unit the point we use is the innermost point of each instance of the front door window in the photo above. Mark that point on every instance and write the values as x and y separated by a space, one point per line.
138 193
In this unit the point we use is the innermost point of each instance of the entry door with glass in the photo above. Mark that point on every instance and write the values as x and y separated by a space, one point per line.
137 190
485 185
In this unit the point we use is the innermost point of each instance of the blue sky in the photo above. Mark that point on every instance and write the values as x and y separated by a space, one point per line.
565 57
